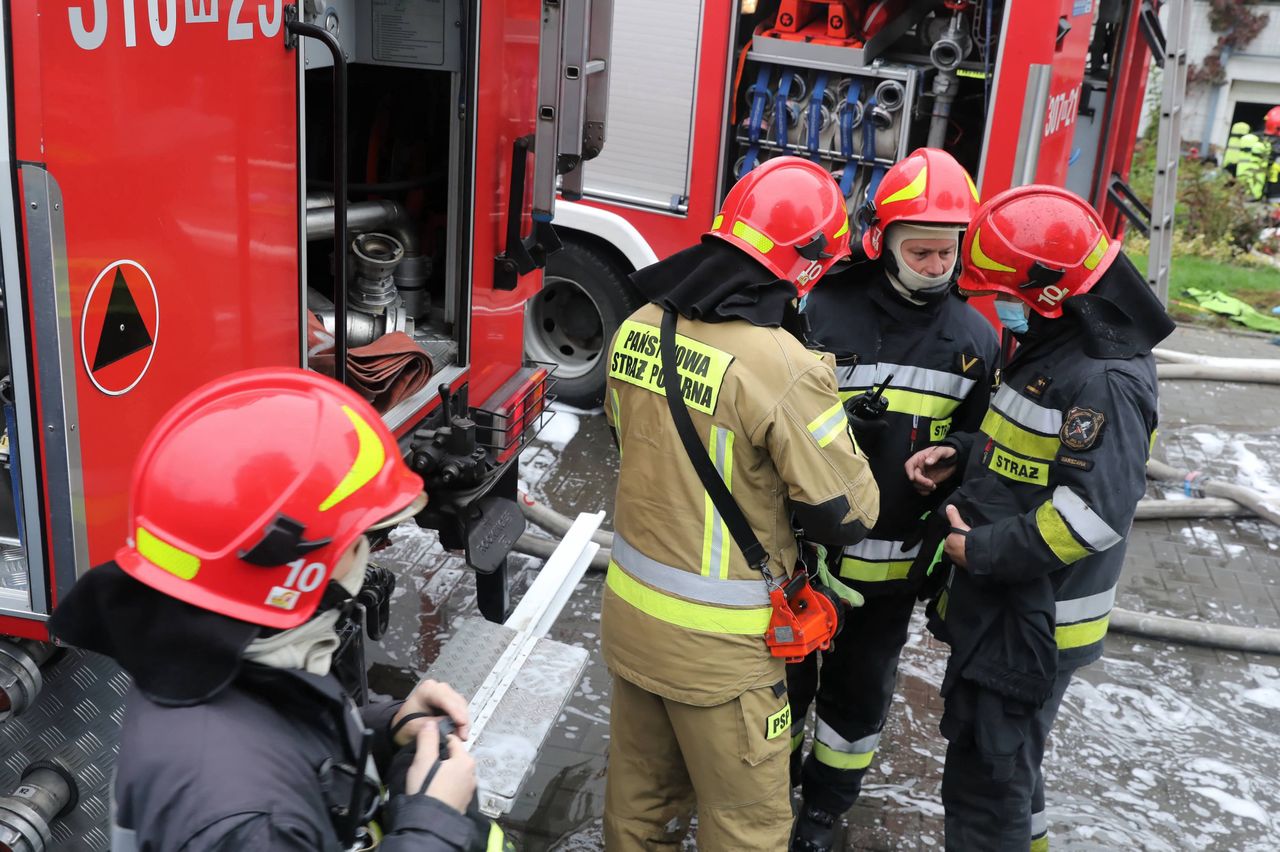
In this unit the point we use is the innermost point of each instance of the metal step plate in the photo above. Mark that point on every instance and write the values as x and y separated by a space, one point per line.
508 745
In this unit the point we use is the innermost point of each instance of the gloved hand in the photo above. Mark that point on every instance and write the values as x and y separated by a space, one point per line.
928 571
825 576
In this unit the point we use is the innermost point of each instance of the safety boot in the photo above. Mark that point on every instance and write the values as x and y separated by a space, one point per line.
815 830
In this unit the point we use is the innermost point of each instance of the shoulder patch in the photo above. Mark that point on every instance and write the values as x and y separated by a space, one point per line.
969 363
1081 428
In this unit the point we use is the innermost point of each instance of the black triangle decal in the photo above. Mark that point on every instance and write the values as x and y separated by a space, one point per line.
123 331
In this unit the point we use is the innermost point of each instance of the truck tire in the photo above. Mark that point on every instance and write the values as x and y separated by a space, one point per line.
585 296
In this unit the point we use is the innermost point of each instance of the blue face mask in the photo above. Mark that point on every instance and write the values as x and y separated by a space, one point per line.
1011 316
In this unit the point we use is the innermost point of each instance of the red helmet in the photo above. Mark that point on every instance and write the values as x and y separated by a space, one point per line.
249 491
927 187
788 214
1039 243
1272 122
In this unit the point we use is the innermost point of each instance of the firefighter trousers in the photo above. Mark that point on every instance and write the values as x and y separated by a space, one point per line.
1006 815
729 761
854 690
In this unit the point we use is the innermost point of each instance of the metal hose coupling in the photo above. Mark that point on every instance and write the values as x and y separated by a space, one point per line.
20 680
47 793
952 46
376 258
890 95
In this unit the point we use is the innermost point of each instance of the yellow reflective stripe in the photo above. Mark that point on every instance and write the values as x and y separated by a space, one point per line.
1084 633
828 756
1023 442
1095 256
1014 467
164 555
717 222
972 188
797 740
1040 844
826 426
496 839
939 429
617 417
715 532
873 572
370 456
635 360
912 190
920 404
752 237
980 259
942 604
748 621
1151 447
1055 532
843 230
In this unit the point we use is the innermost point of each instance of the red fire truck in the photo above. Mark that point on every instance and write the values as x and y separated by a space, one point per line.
700 92
194 187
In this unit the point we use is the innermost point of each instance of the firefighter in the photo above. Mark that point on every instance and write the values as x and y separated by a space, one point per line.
1035 533
1231 155
699 711
895 313
248 512
1271 131
1251 170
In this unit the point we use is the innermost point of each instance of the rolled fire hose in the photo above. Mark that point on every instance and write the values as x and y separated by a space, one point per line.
1178 630
1185 365
1247 497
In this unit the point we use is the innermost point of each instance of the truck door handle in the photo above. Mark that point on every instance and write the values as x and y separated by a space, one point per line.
522 255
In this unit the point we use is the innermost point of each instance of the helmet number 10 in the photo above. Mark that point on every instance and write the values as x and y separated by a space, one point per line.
1052 294
305 577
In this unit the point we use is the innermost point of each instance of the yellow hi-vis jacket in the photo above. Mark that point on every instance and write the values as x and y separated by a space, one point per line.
684 615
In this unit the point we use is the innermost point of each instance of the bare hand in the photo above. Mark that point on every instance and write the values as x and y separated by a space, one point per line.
929 467
454 782
955 542
436 698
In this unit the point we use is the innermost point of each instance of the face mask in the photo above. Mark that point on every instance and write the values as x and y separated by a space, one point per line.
1012 316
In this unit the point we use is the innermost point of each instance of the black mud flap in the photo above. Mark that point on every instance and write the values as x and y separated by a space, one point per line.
494 526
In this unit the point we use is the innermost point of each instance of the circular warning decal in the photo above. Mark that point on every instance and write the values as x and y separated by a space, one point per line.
119 327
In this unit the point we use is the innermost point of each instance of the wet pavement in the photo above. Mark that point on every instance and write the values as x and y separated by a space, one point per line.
1157 746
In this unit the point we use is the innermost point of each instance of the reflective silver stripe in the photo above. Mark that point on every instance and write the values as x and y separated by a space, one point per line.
1086 608
1039 824
824 430
1085 522
904 378
829 738
880 550
686 584
1024 412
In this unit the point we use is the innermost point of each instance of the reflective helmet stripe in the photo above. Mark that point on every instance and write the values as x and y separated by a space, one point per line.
175 560
843 229
980 258
717 222
1095 257
758 241
972 187
370 456
912 190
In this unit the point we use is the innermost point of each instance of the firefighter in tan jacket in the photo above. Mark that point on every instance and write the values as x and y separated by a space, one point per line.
700 710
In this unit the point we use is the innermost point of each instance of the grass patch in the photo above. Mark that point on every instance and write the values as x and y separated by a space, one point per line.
1259 287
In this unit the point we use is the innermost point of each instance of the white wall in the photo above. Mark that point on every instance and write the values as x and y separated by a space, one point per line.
1252 76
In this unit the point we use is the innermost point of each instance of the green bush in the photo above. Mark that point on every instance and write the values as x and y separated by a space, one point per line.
1211 205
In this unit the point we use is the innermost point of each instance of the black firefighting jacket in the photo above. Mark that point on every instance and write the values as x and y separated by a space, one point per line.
258 768
1052 479
941 356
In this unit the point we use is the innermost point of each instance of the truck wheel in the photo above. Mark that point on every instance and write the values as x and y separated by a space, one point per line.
585 296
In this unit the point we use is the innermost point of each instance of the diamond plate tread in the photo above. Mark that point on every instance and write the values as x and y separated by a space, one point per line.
468 658
77 720
508 747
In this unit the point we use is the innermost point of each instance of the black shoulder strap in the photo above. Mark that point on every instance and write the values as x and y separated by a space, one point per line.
739 526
